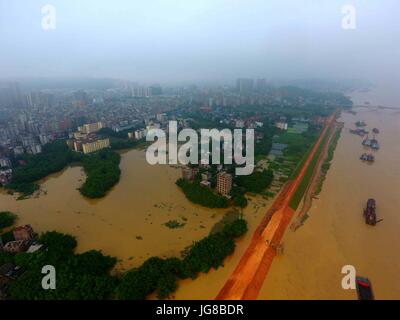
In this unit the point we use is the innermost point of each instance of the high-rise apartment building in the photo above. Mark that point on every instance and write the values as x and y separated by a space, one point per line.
224 183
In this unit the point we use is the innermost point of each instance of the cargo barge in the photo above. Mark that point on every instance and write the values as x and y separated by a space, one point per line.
368 157
360 132
370 212
371 143
374 144
364 289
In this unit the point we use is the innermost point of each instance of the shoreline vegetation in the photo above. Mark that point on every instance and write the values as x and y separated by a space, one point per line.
327 162
315 176
102 169
31 168
305 182
88 275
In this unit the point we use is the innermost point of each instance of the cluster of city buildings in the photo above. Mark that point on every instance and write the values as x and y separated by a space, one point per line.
31 118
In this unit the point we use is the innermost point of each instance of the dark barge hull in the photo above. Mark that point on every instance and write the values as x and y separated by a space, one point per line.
364 289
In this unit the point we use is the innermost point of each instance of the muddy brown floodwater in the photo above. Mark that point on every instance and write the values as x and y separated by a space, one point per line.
128 222
335 234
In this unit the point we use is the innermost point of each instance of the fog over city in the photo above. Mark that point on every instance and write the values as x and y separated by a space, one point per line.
207 40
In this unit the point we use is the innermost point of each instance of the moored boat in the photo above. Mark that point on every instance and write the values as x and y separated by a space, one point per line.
364 289
370 212
367 157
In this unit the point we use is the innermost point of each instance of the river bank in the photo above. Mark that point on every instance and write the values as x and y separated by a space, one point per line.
129 223
335 234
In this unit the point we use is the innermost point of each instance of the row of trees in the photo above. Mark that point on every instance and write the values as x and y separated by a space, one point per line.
103 172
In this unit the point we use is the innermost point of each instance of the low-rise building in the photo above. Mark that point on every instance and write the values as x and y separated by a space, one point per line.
189 173
281 125
16 246
24 233
96 145
140 134
88 143
91 127
5 176
5 162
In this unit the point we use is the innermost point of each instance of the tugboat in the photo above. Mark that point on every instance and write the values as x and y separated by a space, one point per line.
367 157
364 289
370 212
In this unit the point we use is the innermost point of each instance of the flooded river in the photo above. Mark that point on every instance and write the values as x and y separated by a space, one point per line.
129 222
335 234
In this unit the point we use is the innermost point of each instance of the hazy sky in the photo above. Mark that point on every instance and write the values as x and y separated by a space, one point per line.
191 40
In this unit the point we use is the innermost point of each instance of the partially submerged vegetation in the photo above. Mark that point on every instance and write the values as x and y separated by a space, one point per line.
54 157
79 276
7 219
200 195
174 224
87 275
257 182
102 169
162 275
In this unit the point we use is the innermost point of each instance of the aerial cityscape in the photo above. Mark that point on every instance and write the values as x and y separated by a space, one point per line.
181 151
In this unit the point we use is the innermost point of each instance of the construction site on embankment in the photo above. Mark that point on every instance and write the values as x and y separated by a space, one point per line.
248 277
